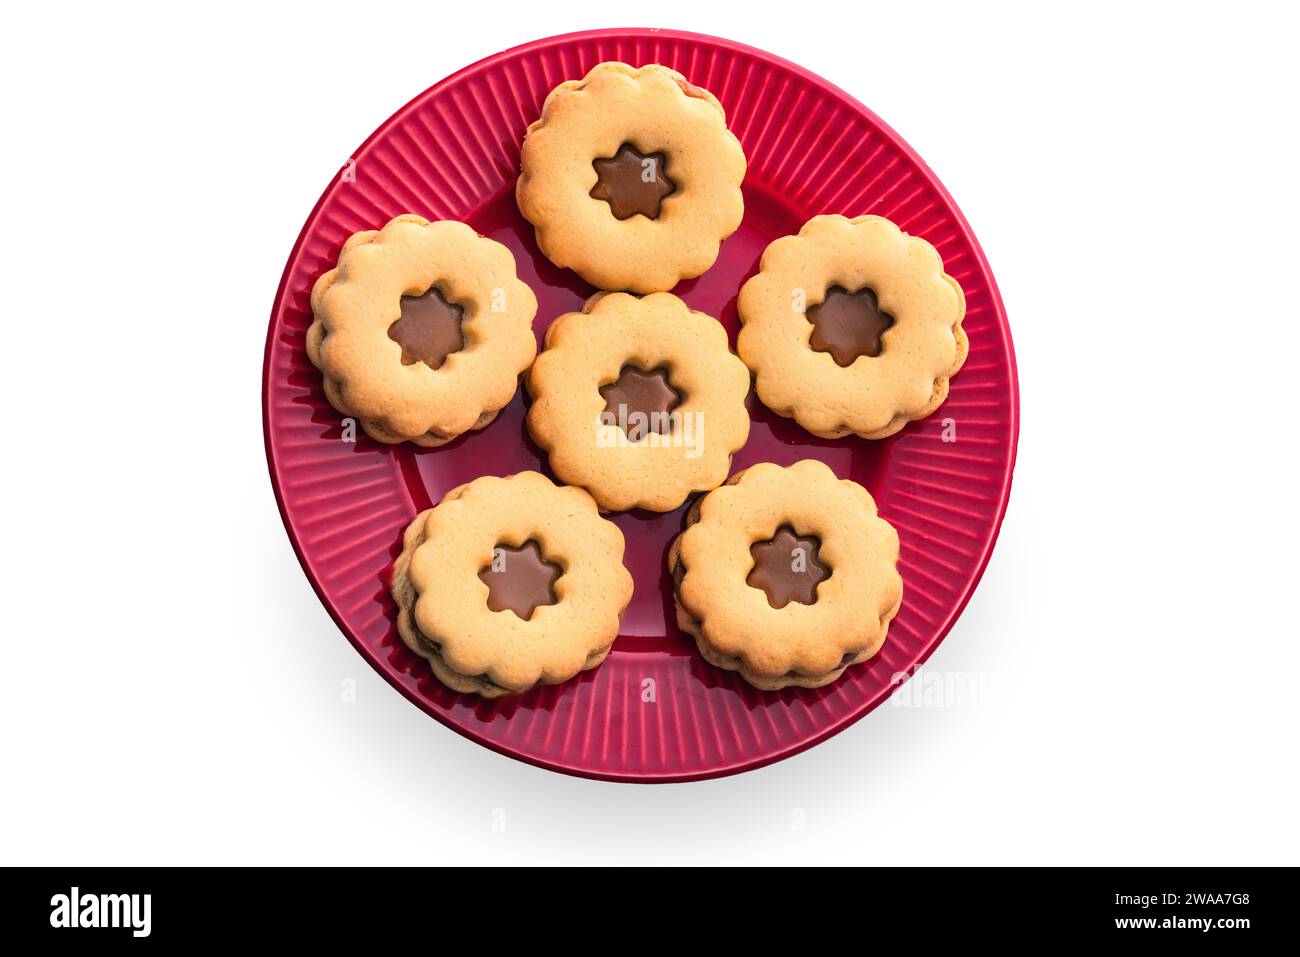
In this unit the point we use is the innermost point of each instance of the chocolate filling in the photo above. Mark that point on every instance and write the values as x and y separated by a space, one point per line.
633 183
849 325
520 579
788 567
640 401
429 328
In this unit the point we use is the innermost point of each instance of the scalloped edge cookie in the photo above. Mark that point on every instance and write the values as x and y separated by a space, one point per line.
875 396
355 303
584 350
733 625
442 610
656 109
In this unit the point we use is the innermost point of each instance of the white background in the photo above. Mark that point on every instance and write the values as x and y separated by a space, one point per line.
170 685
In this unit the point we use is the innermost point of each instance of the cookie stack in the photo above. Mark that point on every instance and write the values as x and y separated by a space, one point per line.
630 177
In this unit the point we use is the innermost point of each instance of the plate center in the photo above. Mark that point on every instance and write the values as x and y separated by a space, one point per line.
504 447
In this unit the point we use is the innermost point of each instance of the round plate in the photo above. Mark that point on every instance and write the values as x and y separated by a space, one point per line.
654 711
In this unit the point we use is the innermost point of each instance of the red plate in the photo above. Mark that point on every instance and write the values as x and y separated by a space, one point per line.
453 153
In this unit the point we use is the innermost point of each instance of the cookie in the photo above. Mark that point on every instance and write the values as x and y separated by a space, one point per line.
631 177
509 583
639 401
786 575
422 330
852 326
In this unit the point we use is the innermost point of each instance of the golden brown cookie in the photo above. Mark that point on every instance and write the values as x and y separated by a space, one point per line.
631 177
786 575
510 582
639 401
421 330
852 326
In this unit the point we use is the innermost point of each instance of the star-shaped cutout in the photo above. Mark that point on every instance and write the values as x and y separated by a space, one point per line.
641 402
787 568
632 182
520 579
848 325
429 328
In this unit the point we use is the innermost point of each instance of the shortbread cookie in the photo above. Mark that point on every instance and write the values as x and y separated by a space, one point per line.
786 575
852 326
631 177
422 330
639 401
510 582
